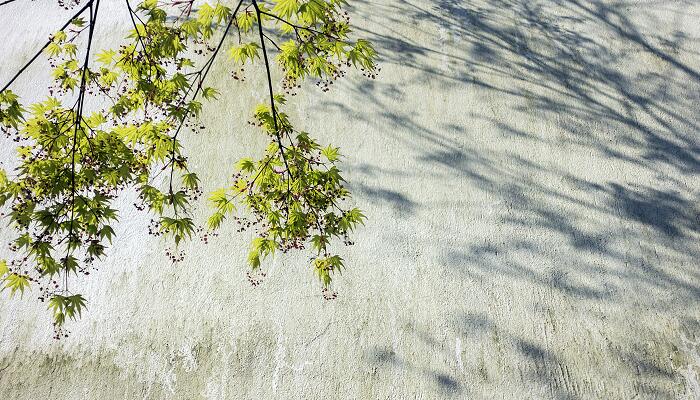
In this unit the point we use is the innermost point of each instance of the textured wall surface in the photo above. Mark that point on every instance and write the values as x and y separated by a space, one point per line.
530 173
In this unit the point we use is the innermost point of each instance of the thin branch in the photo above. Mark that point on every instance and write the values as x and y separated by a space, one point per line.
133 22
272 96
78 120
273 42
6 2
200 76
306 28
38 53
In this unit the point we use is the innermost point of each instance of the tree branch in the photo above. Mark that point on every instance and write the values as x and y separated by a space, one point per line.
38 53
200 76
272 96
78 122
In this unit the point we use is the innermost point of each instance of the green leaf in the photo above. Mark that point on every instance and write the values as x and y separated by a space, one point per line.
78 22
106 56
244 52
246 20
331 153
15 282
215 220
53 49
66 306
190 180
286 8
210 93
245 165
320 242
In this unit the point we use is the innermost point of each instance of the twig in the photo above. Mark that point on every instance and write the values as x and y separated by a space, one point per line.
272 97
78 121
38 53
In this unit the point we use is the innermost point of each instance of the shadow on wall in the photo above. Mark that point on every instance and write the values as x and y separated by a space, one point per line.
620 96
541 370
446 384
613 92
399 202
553 375
559 70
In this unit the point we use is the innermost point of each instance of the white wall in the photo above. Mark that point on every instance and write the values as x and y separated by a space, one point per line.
530 173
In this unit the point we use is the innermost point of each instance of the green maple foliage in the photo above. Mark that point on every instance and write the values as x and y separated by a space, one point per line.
113 120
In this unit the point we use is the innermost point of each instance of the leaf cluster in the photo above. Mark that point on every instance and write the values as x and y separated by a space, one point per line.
294 194
75 157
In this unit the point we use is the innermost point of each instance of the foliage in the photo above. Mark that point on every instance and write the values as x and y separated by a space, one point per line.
76 156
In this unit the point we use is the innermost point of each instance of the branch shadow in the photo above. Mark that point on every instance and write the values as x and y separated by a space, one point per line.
609 218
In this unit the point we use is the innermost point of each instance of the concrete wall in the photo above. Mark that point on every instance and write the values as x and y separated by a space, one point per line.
530 173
